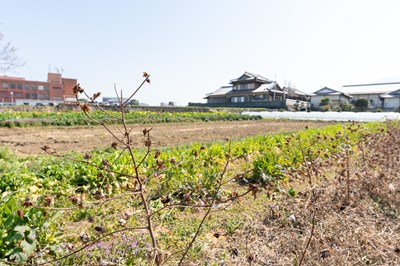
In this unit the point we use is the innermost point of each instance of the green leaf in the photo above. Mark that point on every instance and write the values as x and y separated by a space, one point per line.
27 247
31 236
19 257
22 228
16 236
9 222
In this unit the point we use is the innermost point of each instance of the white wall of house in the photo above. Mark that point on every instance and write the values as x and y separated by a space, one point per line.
392 103
316 100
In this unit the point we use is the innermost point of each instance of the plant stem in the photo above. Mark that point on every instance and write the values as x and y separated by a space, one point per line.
309 240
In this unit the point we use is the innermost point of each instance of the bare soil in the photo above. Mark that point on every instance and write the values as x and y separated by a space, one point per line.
29 140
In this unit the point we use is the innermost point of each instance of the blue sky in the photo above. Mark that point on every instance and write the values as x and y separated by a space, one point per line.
191 48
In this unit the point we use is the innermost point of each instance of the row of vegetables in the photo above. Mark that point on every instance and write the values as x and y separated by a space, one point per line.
74 118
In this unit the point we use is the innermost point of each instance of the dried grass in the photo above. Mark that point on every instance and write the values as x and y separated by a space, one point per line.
361 230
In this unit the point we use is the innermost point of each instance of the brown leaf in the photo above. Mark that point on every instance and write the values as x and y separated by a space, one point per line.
85 107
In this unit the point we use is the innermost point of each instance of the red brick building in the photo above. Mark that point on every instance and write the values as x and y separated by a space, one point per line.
15 90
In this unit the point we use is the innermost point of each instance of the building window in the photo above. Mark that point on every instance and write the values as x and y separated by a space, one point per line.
34 87
241 87
259 97
19 86
43 96
27 95
34 96
4 85
238 99
46 88
12 86
27 86
57 88
40 87
278 98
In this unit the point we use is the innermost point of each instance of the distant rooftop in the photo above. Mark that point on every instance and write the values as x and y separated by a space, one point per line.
11 78
372 88
251 76
221 91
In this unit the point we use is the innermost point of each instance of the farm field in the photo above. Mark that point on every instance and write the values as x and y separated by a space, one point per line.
29 140
276 193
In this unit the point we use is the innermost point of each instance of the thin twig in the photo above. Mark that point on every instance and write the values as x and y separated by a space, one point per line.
309 240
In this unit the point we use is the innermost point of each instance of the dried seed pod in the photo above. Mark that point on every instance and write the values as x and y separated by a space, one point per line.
160 163
147 143
96 95
99 229
166 199
105 162
27 202
114 145
48 200
77 89
87 156
98 195
20 214
74 199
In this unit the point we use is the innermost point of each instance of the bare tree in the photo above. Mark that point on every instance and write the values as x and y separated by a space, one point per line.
9 60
